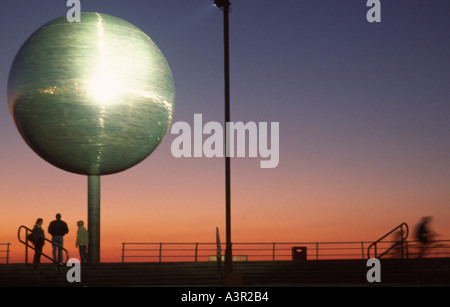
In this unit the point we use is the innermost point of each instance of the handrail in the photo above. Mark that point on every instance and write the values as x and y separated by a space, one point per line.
27 245
400 242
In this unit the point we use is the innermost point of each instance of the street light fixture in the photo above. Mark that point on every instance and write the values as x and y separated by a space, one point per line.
221 3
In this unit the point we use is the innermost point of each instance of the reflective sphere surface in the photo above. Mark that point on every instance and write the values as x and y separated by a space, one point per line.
93 97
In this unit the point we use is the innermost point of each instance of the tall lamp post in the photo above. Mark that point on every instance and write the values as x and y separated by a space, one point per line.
224 5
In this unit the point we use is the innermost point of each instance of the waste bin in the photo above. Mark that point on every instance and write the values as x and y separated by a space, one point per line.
299 253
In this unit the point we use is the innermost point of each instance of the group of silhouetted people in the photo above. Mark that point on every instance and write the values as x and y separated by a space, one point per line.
58 229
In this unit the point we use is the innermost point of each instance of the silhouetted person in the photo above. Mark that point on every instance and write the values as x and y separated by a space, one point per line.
424 234
38 241
82 241
58 229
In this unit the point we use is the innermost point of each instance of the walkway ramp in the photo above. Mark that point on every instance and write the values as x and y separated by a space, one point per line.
404 272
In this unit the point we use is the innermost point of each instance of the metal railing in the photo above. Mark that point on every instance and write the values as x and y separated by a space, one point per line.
272 251
399 244
7 250
28 245
435 249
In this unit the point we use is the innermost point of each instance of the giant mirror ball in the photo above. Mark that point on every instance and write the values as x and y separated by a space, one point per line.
94 97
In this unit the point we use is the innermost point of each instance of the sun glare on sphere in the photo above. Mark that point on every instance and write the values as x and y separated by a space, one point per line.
104 88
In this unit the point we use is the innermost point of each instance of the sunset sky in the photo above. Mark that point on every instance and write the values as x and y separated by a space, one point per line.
363 110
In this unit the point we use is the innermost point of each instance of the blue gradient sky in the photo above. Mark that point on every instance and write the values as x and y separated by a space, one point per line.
364 113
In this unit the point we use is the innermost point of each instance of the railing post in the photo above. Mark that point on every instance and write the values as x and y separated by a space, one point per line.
401 241
160 251
273 251
123 252
7 252
362 250
196 251
407 249
317 250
